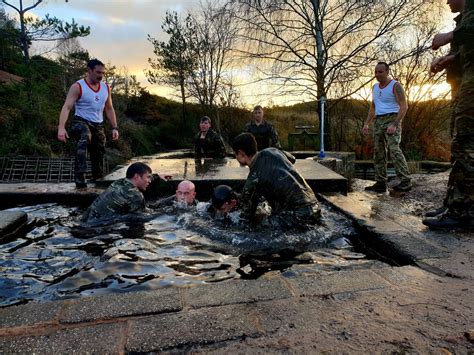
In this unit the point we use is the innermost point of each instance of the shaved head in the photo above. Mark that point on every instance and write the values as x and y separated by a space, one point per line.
186 192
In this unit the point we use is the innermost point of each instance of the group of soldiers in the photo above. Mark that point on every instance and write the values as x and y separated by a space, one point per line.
209 144
272 175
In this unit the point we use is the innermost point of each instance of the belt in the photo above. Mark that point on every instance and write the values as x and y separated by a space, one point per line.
387 114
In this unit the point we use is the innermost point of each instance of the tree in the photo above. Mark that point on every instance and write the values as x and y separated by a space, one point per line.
174 61
9 51
73 59
321 48
212 40
47 29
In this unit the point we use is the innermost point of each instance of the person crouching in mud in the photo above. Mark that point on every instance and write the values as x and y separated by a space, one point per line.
124 196
274 178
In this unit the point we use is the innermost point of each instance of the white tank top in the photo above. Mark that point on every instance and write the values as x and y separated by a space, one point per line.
91 103
384 99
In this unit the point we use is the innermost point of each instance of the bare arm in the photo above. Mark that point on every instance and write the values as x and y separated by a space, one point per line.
110 114
441 39
72 97
402 102
370 119
442 63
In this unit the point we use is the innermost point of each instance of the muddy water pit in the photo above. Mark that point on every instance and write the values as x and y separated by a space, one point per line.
61 258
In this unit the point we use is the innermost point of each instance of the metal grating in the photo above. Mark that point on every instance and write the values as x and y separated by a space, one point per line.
40 169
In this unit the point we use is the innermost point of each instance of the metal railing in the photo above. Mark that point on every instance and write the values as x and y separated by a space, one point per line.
39 169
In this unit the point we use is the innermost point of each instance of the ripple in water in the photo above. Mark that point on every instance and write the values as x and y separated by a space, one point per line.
60 258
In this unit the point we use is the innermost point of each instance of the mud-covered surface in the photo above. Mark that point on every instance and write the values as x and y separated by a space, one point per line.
423 311
59 257
427 194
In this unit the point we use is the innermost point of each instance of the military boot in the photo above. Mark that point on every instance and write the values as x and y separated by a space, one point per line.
379 186
80 180
448 221
403 186
435 212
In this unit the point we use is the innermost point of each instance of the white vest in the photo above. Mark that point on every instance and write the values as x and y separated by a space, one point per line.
384 99
91 103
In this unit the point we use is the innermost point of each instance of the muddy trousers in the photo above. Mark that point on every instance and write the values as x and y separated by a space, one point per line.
460 195
299 218
88 137
384 142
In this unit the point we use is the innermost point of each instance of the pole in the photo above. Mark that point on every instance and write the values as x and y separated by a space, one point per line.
322 102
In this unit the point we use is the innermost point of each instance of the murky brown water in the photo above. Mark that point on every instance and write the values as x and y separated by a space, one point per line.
60 258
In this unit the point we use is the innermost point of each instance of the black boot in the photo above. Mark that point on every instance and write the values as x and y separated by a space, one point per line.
447 221
435 212
379 186
80 180
403 186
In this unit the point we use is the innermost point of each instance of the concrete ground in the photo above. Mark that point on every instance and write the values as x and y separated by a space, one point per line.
422 302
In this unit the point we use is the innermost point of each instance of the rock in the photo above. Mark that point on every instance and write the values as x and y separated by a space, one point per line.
11 223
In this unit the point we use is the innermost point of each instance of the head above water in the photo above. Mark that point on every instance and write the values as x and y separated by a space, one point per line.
205 124
382 70
95 71
186 192
224 198
139 174
245 147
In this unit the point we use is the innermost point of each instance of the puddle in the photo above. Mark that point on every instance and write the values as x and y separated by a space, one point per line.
58 258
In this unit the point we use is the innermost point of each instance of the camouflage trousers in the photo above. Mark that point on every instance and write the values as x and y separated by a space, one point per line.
460 194
88 137
391 142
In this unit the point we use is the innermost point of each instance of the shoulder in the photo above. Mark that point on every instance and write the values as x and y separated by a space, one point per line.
397 87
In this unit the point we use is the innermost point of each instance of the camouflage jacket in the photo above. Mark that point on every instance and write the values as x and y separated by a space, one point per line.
265 134
464 37
273 177
212 146
122 197
454 72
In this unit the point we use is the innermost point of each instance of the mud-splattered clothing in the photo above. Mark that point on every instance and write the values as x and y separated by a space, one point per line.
273 177
89 137
384 142
211 146
122 197
454 75
265 135
87 130
460 194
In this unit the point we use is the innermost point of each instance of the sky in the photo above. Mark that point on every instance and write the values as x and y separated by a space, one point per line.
119 30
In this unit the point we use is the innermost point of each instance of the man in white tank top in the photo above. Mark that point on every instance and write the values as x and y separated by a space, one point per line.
389 106
91 98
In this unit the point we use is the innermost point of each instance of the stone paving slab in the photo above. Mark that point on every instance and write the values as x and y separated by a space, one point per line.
120 305
194 327
402 276
12 195
100 339
339 282
229 171
30 314
236 291
397 236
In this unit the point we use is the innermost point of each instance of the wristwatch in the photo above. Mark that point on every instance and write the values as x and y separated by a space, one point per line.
115 128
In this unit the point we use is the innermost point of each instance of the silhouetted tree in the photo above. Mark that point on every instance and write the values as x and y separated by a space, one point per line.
47 29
